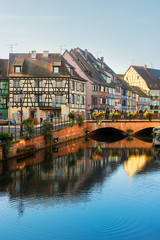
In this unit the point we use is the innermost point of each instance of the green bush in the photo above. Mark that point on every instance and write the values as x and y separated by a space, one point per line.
80 120
47 130
29 130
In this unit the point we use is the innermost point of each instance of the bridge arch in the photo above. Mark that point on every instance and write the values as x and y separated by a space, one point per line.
107 134
123 125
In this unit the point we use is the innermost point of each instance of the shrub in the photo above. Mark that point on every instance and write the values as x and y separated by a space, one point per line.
80 120
47 130
7 142
72 116
29 130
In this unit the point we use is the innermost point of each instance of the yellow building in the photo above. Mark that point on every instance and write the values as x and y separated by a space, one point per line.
148 80
49 85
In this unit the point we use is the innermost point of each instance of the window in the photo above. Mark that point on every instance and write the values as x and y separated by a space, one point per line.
103 101
100 100
71 71
58 101
155 85
150 85
82 87
77 86
1 85
58 84
40 98
102 88
72 98
123 103
55 69
16 83
17 69
95 88
137 77
82 100
94 101
72 85
3 101
16 98
36 98
36 83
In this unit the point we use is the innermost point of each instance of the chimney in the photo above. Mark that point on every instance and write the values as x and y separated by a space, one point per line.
33 54
145 67
86 53
45 54
102 58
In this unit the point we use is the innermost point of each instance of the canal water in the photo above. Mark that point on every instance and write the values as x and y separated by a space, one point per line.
82 190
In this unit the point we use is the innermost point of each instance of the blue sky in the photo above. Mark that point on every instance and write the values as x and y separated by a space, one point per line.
123 32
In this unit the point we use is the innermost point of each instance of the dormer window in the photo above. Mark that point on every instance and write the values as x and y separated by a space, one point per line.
55 69
17 69
71 71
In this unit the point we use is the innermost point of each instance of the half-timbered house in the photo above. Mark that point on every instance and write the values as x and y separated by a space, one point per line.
49 84
4 88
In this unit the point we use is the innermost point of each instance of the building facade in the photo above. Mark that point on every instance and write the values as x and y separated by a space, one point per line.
148 80
4 88
49 85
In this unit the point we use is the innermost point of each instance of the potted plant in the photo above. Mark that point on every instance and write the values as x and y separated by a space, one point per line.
115 116
132 115
98 117
149 115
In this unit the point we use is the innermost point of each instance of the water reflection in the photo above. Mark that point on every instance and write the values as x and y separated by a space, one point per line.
83 184
73 170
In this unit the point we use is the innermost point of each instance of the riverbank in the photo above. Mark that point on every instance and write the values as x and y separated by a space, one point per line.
24 147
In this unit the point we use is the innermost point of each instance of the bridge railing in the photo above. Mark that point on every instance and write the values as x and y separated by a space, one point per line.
140 116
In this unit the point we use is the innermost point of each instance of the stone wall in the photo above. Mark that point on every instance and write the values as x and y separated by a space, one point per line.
23 146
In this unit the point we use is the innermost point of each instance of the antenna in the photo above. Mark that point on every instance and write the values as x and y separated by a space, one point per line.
151 65
97 53
61 47
11 47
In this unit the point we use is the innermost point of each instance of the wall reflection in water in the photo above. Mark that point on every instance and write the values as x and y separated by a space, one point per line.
73 170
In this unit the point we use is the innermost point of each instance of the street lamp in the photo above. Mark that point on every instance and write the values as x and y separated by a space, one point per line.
21 96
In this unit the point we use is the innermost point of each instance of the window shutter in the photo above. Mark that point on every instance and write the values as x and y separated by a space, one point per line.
53 100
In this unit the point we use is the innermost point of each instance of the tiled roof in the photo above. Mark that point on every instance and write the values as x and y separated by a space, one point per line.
3 68
149 76
125 85
41 66
89 65
140 92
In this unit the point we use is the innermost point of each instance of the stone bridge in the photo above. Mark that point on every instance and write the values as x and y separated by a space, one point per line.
123 125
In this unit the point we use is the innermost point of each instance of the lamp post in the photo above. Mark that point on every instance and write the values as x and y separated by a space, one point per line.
21 96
